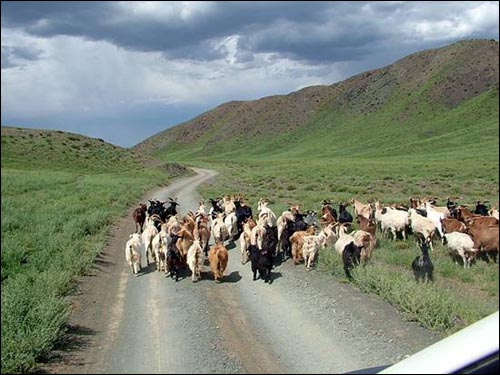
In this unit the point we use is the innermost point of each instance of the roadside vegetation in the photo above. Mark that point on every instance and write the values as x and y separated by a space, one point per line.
60 193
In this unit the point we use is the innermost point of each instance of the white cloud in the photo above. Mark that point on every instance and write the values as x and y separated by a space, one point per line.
166 11
81 75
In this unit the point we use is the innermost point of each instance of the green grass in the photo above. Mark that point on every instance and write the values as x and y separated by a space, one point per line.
57 207
456 299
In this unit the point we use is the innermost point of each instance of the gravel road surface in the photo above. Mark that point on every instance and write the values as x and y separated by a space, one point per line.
304 322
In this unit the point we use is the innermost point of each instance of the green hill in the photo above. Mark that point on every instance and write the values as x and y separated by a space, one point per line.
425 104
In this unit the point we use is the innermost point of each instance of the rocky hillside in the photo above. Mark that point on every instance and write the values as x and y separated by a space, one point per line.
434 80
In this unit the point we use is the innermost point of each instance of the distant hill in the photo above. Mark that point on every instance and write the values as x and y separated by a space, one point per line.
450 91
30 149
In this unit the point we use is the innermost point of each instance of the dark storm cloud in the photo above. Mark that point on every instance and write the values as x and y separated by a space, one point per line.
317 31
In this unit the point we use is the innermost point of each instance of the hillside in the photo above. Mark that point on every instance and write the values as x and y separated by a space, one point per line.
32 149
450 91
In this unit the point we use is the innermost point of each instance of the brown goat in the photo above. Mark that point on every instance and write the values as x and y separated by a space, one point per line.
453 225
218 258
485 238
139 216
297 241
366 224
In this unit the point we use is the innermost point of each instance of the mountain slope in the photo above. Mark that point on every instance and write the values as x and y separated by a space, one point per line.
24 148
416 98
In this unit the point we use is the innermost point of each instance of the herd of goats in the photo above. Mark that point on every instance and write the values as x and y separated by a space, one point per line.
175 243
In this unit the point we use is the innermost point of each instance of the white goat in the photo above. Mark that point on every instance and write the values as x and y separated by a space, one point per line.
493 212
147 238
231 223
461 244
422 226
133 250
312 244
395 221
160 244
219 229
245 239
266 215
436 214
195 260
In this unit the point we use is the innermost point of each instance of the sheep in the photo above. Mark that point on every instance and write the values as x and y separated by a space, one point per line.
422 226
461 244
133 251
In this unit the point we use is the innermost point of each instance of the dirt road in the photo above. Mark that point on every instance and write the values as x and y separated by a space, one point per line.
304 322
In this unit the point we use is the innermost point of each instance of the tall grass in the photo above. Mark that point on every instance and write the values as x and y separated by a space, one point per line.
456 299
55 217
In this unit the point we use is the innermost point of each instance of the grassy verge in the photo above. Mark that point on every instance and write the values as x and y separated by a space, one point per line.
56 213
455 300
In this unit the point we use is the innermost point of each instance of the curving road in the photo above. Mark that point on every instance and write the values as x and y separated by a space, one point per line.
304 322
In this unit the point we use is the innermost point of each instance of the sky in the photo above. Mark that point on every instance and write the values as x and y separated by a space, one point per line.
126 70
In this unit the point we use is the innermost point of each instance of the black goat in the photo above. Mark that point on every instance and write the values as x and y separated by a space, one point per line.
351 257
452 207
422 265
481 209
262 261
243 212
344 215
174 259
170 210
215 208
